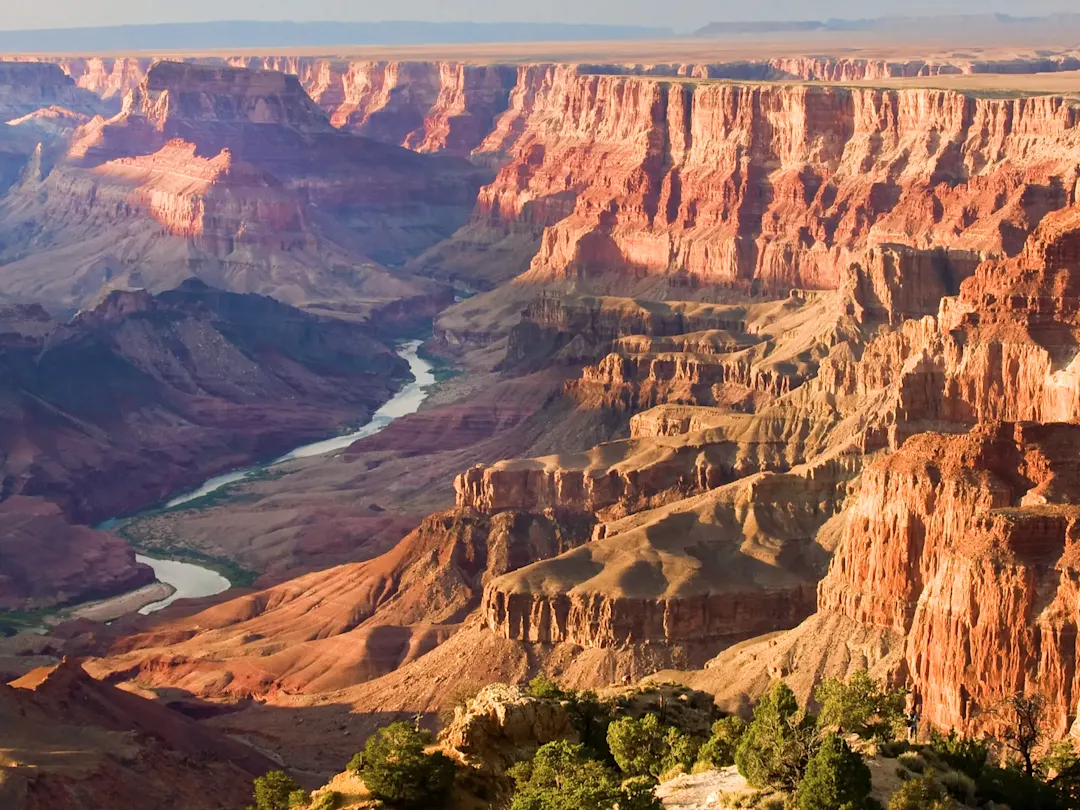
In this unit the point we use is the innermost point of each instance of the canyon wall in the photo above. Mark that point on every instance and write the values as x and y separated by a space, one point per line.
955 567
774 186
643 170
966 546
26 87
239 178
408 93
712 569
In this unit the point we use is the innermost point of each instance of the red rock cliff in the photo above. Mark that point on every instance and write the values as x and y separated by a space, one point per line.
966 545
778 185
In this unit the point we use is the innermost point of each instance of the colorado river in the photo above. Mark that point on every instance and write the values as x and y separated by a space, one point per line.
194 581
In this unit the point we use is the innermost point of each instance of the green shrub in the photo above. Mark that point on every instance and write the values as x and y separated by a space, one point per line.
961 753
274 790
639 746
682 749
397 770
636 793
959 785
719 750
836 777
1018 790
331 800
645 747
861 705
1061 766
299 798
356 764
591 718
544 687
920 794
563 777
778 743
913 762
894 748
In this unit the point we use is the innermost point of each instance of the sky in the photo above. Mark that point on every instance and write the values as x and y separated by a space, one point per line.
682 15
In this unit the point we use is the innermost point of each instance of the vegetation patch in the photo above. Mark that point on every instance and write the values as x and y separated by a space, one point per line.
618 749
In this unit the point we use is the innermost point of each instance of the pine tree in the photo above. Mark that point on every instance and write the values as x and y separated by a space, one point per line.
836 777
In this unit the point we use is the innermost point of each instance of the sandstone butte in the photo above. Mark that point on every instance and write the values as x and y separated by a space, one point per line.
815 398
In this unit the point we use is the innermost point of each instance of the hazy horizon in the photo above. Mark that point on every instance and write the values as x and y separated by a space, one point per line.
682 16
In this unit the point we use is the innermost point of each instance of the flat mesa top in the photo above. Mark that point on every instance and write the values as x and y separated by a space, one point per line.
685 49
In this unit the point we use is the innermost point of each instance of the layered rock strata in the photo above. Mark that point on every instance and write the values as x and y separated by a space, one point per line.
237 177
708 570
964 545
774 186
955 571
447 105
353 623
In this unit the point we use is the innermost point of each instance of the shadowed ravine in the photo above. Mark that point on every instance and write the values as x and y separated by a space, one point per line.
191 581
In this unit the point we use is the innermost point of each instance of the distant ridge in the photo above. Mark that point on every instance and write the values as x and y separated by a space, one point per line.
942 24
252 34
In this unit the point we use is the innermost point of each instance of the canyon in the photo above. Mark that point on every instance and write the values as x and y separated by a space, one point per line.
143 395
211 172
748 369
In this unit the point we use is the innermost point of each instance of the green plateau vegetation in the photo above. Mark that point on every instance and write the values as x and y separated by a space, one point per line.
142 538
13 622
791 757
441 368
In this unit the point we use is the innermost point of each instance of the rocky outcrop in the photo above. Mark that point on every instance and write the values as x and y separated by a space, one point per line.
110 78
955 570
643 380
627 473
425 106
695 573
26 87
502 726
964 546
572 328
46 562
999 350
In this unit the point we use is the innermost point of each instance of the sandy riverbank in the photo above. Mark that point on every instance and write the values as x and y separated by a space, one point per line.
107 610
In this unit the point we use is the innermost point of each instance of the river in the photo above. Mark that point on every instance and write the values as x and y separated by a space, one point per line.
194 581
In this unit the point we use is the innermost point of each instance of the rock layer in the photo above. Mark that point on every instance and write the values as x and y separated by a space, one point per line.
965 545
956 566
239 178
773 186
